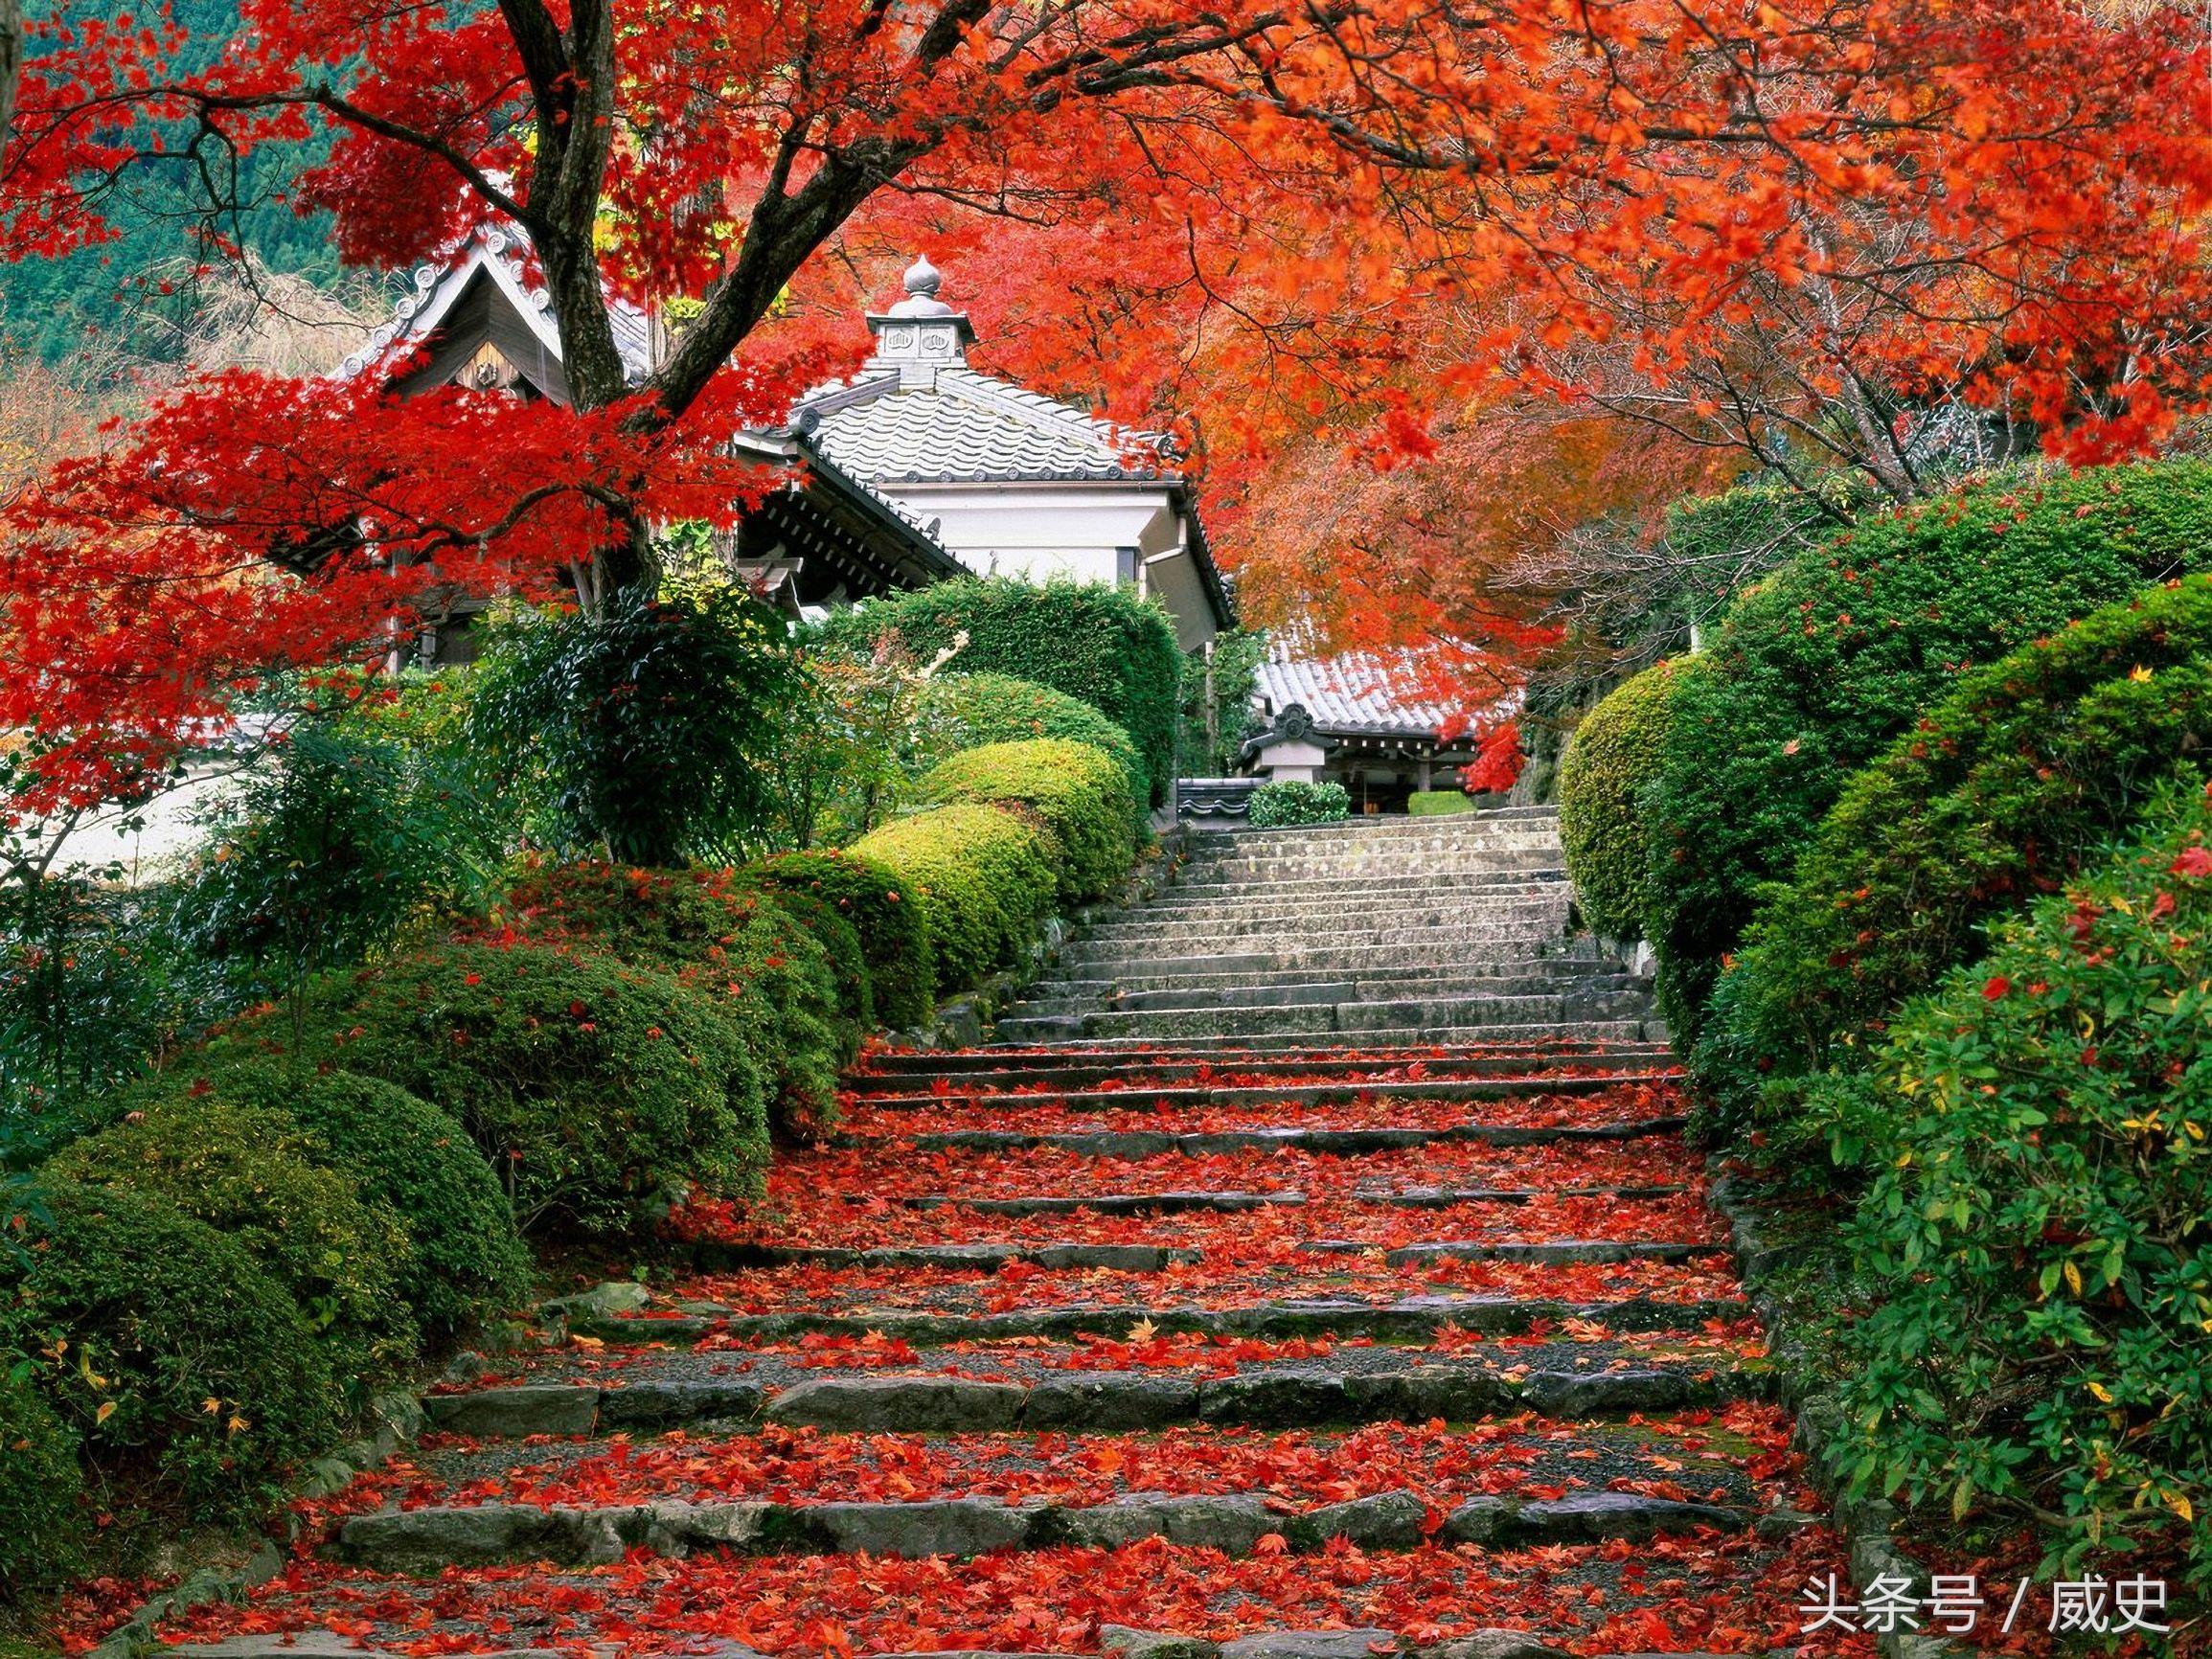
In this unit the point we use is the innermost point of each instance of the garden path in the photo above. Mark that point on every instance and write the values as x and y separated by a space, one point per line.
1249 1312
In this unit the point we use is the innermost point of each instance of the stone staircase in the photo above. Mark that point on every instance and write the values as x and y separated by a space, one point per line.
1314 1270
1405 931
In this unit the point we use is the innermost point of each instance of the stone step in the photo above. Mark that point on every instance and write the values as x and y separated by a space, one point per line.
1531 920
1229 1142
1261 1097
1233 1202
1413 1318
1549 1253
1072 1072
1546 1013
1060 1030
428 1542
1083 958
1531 969
1424 909
1185 890
1042 998
1016 1066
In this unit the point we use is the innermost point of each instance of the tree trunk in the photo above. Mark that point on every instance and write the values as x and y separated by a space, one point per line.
11 61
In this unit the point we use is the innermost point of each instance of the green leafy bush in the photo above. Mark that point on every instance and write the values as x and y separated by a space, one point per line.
256 1176
2040 1225
719 936
843 954
1818 669
893 933
137 1317
1609 765
42 1523
643 733
1438 802
985 879
1078 792
1994 795
597 1089
1277 806
1103 644
400 1150
968 711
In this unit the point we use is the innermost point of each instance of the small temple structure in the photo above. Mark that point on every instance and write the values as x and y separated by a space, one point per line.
917 469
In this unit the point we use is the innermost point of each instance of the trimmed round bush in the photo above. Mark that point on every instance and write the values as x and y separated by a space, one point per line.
984 875
1816 670
1100 643
973 710
1996 794
1280 805
600 1090
1078 793
722 936
2039 1234
126 1303
256 1176
1609 765
468 1261
894 934
42 1523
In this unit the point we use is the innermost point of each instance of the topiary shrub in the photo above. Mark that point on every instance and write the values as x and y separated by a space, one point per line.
597 1089
1103 644
1610 763
1818 669
1077 792
1996 794
719 935
398 1150
968 711
893 932
138 1316
1278 806
255 1175
984 877
1438 802
44 1523
842 953
2040 1228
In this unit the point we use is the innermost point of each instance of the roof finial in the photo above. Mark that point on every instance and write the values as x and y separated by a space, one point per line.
924 278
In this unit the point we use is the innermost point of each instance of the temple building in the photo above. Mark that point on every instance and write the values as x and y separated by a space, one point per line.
917 469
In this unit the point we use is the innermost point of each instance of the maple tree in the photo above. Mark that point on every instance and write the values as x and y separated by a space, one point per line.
1255 216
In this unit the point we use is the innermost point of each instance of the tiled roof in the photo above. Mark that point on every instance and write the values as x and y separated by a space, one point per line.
1349 696
969 428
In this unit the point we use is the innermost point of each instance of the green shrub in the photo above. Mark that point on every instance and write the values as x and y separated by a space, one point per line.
258 1177
893 933
42 1523
2040 1227
1610 763
1080 794
985 879
1438 802
721 936
1818 669
1276 806
138 1316
597 1089
968 711
1103 644
843 954
1995 794
400 1150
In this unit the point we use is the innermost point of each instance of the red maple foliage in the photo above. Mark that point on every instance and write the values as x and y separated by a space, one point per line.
1328 221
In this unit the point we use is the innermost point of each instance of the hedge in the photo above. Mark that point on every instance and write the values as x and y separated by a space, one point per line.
1611 762
1997 793
1078 792
467 1261
1438 802
1814 671
43 1521
968 711
1102 644
2038 1237
255 1177
721 936
599 1090
128 1302
1278 806
984 875
894 935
